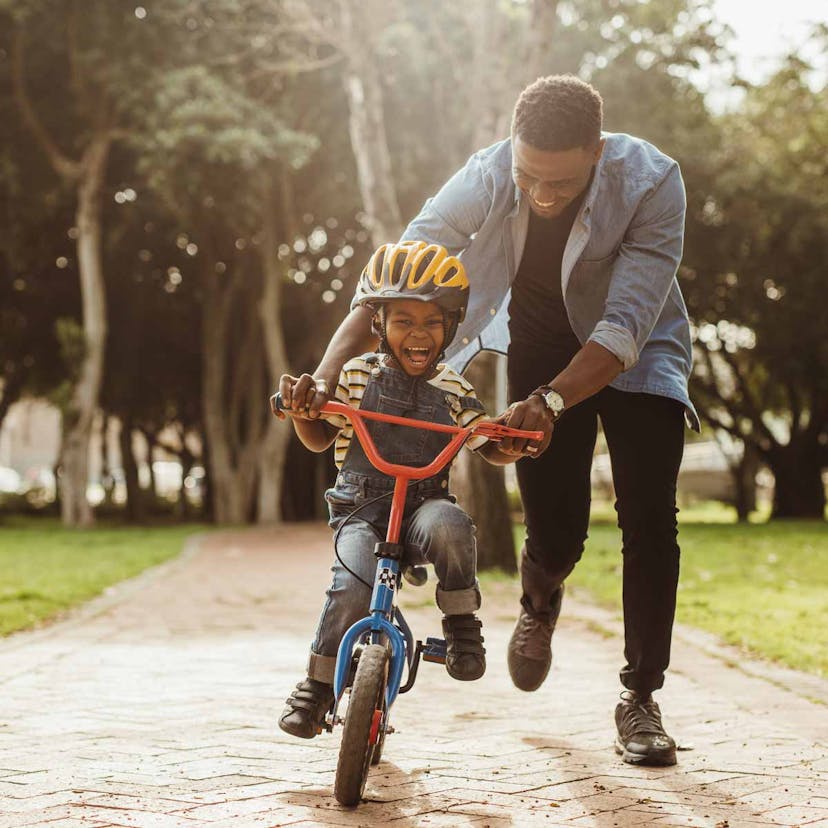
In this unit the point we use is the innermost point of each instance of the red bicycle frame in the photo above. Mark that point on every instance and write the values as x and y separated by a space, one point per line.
404 474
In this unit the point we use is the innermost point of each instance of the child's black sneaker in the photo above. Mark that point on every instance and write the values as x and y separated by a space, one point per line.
465 653
641 738
305 708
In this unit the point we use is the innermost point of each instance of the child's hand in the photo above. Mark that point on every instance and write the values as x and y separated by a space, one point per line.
303 396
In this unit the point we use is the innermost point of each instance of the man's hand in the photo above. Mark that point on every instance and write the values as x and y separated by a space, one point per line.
530 414
303 396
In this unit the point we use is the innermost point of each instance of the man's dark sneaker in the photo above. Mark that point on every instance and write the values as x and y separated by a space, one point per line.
641 738
530 647
305 708
465 653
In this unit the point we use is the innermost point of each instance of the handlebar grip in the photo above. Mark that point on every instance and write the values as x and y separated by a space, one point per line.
276 403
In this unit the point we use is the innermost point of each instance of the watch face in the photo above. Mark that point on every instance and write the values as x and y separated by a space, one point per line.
555 403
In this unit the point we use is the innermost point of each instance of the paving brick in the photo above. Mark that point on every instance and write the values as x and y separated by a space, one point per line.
158 709
797 814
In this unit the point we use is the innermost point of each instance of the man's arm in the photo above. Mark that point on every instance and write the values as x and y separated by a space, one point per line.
642 278
450 218
353 337
644 271
590 370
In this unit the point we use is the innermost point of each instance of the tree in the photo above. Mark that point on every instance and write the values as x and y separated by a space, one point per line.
86 113
757 287
35 272
152 379
214 156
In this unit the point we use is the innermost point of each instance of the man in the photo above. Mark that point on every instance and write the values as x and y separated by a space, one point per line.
572 239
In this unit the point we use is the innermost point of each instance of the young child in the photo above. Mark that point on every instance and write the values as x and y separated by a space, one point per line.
419 294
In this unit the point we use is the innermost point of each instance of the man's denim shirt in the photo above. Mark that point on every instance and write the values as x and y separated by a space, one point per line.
619 267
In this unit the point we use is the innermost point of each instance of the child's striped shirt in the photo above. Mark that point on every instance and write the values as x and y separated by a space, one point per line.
351 387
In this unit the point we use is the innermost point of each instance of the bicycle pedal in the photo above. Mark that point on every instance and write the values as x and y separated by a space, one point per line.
434 650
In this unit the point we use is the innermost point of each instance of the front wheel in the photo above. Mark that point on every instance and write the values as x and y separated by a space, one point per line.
376 753
361 720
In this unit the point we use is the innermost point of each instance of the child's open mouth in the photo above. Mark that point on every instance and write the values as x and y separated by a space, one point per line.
417 357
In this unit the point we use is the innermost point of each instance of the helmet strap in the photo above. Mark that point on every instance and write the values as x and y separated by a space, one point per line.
378 329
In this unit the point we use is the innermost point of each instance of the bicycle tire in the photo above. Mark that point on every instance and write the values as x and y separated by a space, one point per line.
376 754
356 750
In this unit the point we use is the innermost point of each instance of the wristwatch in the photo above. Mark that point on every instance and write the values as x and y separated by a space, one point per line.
552 399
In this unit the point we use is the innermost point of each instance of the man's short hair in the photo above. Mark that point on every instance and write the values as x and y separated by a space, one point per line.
558 112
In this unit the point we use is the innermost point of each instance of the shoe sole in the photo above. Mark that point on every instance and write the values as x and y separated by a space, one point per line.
462 677
661 759
520 682
303 735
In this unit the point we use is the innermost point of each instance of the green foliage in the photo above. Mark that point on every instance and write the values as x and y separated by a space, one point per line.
46 569
757 241
206 140
760 587
212 102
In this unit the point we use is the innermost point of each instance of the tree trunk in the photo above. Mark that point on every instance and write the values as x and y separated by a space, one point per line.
274 447
744 479
80 413
135 496
224 496
480 487
187 460
543 23
367 123
234 407
489 112
208 514
107 478
798 490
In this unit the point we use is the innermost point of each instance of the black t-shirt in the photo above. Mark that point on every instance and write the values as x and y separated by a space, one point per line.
537 315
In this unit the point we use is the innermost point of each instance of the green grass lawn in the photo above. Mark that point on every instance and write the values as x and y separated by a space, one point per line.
45 568
762 587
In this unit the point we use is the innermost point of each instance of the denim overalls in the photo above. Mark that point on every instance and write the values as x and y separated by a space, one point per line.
434 528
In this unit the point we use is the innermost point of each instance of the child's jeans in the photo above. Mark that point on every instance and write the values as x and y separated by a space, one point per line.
437 531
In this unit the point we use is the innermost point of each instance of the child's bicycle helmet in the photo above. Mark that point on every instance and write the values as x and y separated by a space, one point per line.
415 270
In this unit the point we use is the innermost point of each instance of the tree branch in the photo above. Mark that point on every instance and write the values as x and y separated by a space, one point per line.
752 408
796 407
295 67
78 82
64 166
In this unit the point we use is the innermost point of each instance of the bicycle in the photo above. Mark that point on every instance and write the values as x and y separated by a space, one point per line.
377 680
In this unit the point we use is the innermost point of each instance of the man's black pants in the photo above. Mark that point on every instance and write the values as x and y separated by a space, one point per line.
645 436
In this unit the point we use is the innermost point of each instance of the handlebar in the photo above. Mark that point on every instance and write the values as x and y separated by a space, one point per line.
494 431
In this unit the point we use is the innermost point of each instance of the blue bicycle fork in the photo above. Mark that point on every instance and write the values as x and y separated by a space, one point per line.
377 624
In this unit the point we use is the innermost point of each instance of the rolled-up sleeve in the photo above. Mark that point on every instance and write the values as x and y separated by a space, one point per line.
644 270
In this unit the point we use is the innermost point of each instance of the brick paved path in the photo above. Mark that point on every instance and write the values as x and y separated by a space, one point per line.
157 706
